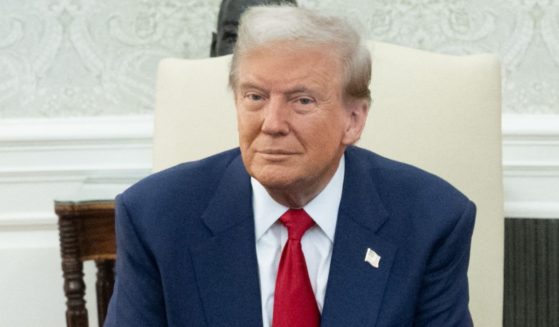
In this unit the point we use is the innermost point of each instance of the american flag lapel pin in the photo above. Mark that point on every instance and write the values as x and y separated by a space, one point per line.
372 258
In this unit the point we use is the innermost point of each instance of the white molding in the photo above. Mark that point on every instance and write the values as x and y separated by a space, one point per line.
532 210
531 168
531 165
33 132
48 159
22 221
526 128
72 173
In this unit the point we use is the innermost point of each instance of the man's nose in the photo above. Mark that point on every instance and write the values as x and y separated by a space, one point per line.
276 115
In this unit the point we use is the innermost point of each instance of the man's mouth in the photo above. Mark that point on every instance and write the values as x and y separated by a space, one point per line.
277 152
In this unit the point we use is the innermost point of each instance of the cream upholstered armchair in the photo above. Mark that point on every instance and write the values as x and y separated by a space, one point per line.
439 112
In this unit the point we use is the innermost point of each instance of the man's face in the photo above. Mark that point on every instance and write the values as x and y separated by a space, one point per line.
292 119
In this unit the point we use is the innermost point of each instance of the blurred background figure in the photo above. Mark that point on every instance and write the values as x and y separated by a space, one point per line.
223 41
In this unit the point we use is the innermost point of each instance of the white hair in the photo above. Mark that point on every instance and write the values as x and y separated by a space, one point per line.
300 27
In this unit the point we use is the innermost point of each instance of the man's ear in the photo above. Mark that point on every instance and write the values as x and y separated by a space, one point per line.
213 45
357 110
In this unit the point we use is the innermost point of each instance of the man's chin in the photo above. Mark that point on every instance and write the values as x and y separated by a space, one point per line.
275 182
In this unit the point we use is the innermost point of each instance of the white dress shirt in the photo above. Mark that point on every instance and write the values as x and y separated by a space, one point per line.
317 242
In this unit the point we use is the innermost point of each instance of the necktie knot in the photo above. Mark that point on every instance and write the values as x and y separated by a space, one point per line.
297 222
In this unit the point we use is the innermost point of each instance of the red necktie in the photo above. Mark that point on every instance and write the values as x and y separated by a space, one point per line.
294 301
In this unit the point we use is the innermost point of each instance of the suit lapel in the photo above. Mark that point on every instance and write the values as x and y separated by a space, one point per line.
355 288
226 265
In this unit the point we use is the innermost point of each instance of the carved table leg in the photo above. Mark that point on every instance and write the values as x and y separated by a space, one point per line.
104 285
72 268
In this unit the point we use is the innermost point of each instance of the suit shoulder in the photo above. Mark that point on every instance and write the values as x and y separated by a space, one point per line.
188 178
406 185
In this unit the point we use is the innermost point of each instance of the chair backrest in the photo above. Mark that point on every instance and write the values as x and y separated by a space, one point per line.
438 112
87 232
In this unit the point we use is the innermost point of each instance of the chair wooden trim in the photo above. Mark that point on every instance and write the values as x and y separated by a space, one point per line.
86 231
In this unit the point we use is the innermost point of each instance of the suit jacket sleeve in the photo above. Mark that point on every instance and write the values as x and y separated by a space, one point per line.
443 300
137 298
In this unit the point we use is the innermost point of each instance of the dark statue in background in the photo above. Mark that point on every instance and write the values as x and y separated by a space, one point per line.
230 12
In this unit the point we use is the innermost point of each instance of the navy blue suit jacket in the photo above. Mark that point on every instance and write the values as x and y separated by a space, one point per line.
186 251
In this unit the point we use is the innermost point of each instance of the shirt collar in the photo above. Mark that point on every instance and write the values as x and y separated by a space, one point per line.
323 208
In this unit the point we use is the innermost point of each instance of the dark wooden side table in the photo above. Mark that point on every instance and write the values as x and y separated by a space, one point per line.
86 230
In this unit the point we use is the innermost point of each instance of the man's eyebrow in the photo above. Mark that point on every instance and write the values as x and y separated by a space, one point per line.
249 85
292 90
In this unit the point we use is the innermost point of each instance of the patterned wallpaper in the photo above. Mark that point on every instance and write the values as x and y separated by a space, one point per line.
98 57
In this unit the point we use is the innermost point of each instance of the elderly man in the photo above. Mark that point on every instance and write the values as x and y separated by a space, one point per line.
297 227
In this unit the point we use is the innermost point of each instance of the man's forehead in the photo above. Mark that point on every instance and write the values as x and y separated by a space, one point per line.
294 49
290 57
318 85
299 67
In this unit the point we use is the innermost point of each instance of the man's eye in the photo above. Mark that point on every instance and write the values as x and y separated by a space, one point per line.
304 104
254 97
305 101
